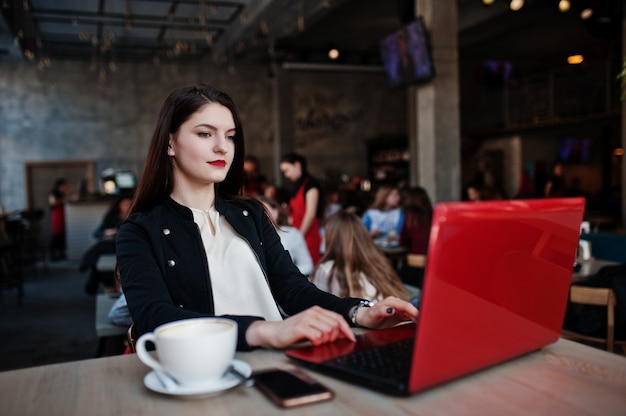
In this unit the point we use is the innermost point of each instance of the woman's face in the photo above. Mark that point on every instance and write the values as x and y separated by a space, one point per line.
270 191
473 194
203 148
292 171
124 207
393 199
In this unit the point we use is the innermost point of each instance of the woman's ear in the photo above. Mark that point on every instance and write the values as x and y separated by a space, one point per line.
170 149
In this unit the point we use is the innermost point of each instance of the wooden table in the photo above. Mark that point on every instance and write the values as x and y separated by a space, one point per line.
564 378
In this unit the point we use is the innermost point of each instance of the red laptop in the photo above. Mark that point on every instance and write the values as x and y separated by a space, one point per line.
496 286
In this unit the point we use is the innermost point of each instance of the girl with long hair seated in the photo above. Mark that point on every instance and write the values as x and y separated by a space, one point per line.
352 265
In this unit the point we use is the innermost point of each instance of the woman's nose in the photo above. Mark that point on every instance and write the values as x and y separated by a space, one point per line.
220 144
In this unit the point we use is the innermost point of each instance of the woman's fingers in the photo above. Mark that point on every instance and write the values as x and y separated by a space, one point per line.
388 312
328 326
319 325
316 325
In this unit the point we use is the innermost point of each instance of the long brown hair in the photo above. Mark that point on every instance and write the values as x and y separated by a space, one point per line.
157 178
351 248
418 209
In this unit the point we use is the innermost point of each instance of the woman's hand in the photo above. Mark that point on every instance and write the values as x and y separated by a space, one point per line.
387 313
315 324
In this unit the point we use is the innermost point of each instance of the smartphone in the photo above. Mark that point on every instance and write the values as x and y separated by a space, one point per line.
290 387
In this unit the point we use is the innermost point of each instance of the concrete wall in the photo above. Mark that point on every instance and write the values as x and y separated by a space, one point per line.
334 120
66 113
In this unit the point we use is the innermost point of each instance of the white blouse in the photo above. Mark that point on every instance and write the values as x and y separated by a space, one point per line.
237 280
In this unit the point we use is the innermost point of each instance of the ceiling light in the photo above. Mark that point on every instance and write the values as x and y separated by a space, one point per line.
564 6
586 13
515 5
488 2
333 53
575 59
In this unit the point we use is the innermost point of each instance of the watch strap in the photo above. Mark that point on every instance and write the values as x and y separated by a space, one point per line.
363 303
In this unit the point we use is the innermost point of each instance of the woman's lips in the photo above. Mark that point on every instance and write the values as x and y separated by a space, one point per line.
219 163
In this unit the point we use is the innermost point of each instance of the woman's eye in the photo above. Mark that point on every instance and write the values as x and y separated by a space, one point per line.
231 137
204 134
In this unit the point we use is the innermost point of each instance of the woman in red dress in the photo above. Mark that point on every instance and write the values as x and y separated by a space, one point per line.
56 200
305 206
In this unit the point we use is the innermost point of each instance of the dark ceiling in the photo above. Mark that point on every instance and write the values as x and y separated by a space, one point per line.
535 37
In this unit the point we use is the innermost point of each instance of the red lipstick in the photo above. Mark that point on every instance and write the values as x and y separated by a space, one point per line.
219 163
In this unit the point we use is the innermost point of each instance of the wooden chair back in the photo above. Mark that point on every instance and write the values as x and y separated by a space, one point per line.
597 296
417 261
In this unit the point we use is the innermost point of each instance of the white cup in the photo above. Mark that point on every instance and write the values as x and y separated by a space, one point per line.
194 351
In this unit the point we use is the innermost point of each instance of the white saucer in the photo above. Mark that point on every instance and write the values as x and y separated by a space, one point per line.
227 381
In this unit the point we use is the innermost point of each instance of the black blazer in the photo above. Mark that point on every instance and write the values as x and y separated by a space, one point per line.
165 274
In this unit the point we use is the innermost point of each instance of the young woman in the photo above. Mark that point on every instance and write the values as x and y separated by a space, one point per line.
193 247
305 204
254 182
352 265
555 186
291 238
113 218
56 201
384 217
105 234
418 212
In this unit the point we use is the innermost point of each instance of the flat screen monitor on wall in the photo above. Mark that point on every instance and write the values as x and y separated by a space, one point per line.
406 55
575 150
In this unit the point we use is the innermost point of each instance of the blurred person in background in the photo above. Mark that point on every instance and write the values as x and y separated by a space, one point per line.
556 185
290 237
418 212
352 265
306 201
384 217
56 200
254 181
105 234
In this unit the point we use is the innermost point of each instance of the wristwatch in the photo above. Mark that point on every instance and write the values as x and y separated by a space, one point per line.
362 304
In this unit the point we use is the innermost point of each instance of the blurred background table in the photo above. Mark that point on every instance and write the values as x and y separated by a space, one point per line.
394 252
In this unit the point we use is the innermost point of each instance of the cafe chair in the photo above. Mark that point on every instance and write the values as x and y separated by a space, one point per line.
417 261
412 274
597 296
131 337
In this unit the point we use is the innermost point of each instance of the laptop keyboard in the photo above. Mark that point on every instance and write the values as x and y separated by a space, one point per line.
387 361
